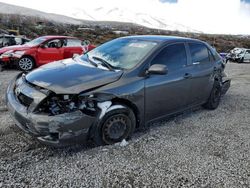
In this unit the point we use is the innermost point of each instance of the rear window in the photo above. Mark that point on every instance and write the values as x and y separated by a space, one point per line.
216 56
73 42
199 53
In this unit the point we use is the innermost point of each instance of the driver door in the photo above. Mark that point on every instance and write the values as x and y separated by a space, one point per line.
166 94
50 51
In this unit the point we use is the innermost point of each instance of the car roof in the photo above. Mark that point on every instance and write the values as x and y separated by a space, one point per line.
163 38
58 36
13 36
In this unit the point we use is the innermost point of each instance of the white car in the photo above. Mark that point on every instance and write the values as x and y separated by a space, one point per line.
240 55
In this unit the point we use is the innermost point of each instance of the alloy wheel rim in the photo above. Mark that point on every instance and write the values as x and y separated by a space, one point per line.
25 64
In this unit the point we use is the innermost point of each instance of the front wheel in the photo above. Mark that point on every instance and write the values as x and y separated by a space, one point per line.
26 64
115 126
214 98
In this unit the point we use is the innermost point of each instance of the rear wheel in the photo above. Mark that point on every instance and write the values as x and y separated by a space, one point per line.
214 98
26 64
115 126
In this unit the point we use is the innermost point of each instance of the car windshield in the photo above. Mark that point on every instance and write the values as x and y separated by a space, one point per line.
123 53
36 41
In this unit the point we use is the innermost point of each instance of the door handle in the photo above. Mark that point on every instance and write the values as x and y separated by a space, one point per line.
187 75
196 63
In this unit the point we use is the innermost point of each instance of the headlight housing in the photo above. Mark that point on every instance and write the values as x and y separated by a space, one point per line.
18 54
7 53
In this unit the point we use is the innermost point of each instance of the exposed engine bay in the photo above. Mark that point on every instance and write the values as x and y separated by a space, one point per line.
60 104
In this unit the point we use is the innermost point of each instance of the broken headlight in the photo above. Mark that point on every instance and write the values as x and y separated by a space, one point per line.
7 54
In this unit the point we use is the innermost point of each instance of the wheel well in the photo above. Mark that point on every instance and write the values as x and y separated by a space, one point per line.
132 106
218 76
29 56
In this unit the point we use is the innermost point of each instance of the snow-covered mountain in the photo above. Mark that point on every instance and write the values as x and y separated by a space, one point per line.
86 15
126 15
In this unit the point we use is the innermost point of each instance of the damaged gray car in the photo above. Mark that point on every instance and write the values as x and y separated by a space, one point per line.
118 87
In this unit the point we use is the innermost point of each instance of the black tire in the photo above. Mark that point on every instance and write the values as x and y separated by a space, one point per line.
1 67
214 98
26 64
115 126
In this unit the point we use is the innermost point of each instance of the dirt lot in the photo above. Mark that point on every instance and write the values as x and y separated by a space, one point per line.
197 149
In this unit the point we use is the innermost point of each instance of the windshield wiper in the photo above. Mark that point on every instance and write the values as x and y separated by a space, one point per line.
104 62
91 62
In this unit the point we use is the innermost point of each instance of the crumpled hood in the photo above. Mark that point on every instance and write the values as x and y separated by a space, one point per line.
14 48
71 77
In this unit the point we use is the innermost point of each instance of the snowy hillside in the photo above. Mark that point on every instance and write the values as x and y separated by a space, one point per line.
86 15
12 9
126 15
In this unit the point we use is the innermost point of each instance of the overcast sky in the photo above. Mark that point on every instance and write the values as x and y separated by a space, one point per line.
210 16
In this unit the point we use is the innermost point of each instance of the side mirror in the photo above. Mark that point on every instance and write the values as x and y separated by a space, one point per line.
158 69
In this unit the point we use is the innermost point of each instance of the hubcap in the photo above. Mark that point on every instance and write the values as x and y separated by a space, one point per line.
115 128
25 64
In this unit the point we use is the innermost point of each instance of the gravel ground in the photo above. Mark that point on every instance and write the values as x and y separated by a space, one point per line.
196 149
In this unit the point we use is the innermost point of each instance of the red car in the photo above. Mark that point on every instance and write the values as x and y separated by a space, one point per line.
43 50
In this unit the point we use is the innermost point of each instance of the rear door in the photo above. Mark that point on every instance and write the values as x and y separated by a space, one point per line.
165 94
71 47
202 69
51 51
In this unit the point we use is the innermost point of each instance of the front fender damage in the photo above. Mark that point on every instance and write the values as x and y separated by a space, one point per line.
107 107
72 125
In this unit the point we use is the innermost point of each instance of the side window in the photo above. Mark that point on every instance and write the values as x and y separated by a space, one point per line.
56 43
174 56
73 43
18 40
6 42
248 51
12 41
199 53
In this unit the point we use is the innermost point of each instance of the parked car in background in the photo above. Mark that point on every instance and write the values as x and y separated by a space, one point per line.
43 50
10 40
239 55
124 84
